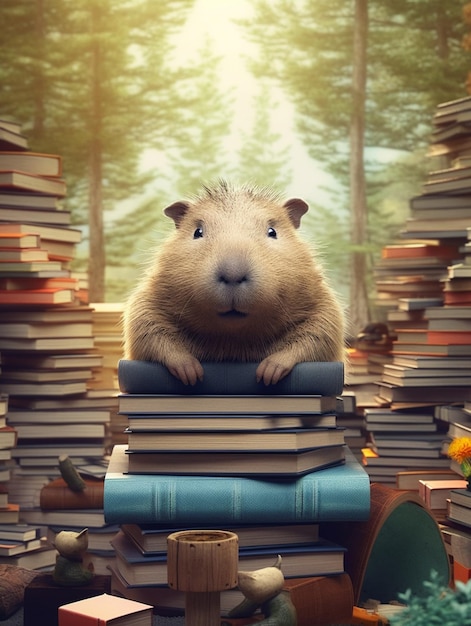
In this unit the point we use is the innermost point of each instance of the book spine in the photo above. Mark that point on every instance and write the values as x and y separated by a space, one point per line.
338 493
65 498
312 378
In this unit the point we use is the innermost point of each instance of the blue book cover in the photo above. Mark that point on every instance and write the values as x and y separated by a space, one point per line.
324 378
338 493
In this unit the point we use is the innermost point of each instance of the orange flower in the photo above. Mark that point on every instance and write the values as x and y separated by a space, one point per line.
460 449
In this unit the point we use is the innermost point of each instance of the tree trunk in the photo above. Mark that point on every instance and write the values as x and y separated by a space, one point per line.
97 255
359 310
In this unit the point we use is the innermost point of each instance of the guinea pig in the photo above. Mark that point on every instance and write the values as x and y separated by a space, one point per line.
234 282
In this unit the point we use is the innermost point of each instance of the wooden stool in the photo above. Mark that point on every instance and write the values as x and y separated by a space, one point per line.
202 563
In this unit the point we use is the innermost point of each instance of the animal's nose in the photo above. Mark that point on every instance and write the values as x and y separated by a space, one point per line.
233 271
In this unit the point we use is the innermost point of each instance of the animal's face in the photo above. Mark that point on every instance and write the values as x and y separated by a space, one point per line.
236 252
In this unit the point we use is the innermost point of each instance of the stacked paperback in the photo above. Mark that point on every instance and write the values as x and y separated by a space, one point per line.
268 463
47 342
423 285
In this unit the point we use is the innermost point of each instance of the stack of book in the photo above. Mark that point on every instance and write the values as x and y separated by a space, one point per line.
401 440
429 314
9 510
65 509
49 357
26 546
108 343
412 270
270 463
457 531
20 544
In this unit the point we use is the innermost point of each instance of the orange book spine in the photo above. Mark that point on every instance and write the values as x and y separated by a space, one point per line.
460 572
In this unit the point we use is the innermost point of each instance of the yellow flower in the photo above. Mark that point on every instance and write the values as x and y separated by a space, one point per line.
460 449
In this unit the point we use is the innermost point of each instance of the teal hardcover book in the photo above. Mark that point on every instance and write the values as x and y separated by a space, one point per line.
339 493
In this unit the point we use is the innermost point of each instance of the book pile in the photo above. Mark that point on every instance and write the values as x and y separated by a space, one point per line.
107 332
9 510
230 453
402 440
25 545
49 358
423 286
20 544
456 527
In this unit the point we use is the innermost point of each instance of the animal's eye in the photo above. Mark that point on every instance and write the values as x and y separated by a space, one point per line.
198 233
271 232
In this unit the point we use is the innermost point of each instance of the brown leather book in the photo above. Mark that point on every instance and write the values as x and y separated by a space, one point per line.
321 600
57 495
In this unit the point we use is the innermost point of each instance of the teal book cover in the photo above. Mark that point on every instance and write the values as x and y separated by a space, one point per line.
338 493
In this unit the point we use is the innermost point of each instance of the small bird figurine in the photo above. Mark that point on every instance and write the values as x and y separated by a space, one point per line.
263 588
69 570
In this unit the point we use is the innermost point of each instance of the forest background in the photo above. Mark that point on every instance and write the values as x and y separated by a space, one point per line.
145 101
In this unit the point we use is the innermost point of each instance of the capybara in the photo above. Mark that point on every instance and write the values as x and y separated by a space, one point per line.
235 282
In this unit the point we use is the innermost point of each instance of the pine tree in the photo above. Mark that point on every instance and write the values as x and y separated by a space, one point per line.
414 61
105 93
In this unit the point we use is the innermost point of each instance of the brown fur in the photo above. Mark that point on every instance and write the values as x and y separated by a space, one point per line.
234 291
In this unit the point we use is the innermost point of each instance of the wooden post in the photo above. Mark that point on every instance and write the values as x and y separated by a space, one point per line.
202 563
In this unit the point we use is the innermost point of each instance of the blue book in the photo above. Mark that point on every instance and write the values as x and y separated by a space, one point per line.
339 493
232 378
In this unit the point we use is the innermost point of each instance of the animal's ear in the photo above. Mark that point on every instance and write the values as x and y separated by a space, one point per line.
176 212
296 209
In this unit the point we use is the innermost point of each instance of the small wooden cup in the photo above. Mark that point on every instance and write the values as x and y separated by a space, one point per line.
202 563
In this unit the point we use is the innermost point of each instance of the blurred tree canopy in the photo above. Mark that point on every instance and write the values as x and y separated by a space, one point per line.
414 60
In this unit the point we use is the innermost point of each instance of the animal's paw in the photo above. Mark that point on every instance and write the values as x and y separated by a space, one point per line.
272 369
187 369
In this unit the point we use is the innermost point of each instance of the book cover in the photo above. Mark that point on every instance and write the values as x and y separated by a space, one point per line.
104 609
461 496
19 240
32 182
37 296
19 532
38 163
227 378
35 559
336 493
48 230
13 547
231 463
152 538
10 514
8 437
33 330
83 518
409 479
321 600
186 404
227 423
435 493
23 254
58 495
12 140
28 200
240 441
